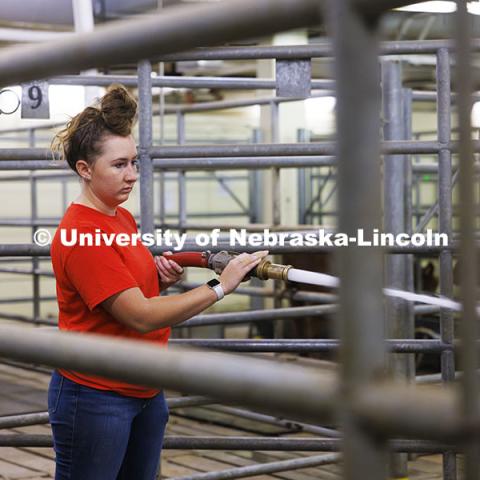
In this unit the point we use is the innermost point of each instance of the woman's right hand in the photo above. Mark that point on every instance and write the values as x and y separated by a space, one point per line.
238 267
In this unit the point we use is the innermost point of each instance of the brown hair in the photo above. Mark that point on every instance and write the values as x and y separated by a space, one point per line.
114 114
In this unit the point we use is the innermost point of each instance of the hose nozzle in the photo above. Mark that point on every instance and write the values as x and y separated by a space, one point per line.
264 270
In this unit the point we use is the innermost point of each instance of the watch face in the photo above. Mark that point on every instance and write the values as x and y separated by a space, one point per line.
213 283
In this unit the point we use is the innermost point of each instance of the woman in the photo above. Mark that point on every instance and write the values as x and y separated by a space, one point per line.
106 429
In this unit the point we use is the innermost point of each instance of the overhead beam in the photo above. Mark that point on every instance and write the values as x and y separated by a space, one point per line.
173 30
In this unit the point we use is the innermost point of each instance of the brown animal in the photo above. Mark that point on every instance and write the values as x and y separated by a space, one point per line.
309 327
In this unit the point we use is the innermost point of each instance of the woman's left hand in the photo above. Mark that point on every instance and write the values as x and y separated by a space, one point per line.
170 272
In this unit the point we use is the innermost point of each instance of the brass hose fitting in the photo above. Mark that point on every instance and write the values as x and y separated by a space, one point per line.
267 270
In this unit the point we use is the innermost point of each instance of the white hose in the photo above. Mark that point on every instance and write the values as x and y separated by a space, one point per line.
312 278
324 280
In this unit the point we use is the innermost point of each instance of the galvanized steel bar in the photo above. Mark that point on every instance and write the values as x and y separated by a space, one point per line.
255 216
14 421
35 262
22 250
145 137
394 216
410 265
276 211
4 301
160 34
258 315
470 409
241 443
252 291
279 422
306 346
434 209
398 322
254 150
253 163
18 317
398 411
266 468
320 148
241 162
294 52
226 104
302 137
361 305
234 379
23 222
275 139
263 162
192 401
25 128
231 83
182 180
295 392
445 185
26 366
42 418
33 216
30 271
31 165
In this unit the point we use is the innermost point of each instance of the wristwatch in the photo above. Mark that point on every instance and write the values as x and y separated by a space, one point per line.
216 286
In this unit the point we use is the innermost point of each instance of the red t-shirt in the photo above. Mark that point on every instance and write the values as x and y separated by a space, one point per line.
88 275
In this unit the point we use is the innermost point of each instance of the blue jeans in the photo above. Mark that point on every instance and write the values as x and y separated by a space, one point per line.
102 435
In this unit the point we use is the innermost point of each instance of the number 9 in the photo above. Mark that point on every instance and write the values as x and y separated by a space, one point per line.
35 94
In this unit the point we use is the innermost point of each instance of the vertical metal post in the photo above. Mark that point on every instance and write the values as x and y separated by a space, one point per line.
161 105
279 325
161 174
254 185
34 217
64 184
303 136
409 259
161 198
394 222
395 202
445 226
182 201
182 187
468 252
145 134
35 261
256 216
361 268
275 134
417 182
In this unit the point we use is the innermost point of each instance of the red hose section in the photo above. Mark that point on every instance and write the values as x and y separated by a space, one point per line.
190 259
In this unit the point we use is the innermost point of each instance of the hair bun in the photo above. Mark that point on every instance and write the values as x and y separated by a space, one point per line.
118 109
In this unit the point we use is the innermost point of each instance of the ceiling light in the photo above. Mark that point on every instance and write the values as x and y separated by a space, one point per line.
441 6
474 7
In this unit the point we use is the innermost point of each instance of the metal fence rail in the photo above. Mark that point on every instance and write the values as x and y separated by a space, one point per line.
243 443
299 393
255 150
